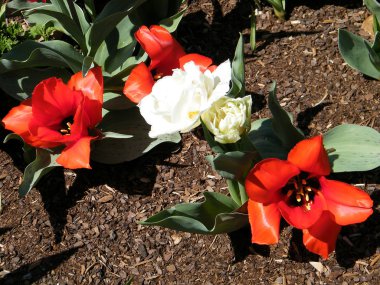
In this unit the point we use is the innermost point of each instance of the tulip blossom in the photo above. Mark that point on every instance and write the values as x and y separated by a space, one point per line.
165 54
61 115
229 118
297 190
177 102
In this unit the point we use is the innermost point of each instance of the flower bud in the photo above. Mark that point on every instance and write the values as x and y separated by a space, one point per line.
229 118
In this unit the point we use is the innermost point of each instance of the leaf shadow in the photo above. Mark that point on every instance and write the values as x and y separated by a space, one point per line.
60 190
32 272
305 117
242 245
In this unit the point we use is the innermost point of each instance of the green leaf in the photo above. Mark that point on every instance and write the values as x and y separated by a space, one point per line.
354 52
111 15
151 12
213 216
238 77
252 36
354 148
20 83
2 13
281 122
45 161
90 8
127 122
234 165
115 101
34 54
29 151
374 7
19 5
265 140
87 64
172 22
374 57
115 135
61 21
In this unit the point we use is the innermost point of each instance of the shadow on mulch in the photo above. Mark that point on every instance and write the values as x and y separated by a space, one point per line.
304 118
126 178
32 272
223 32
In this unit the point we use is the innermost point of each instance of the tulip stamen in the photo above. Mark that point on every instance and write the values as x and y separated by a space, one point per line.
66 126
158 76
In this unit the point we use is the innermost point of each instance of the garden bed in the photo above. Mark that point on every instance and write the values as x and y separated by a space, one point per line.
79 227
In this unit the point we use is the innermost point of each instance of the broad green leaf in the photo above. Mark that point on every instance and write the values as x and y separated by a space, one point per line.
281 122
115 101
374 7
20 83
34 54
19 5
353 148
376 43
354 52
45 161
172 22
111 15
213 216
234 165
265 140
127 122
238 77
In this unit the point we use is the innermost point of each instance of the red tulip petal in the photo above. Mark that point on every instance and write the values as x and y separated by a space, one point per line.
91 85
53 101
321 237
265 222
76 155
301 218
163 50
310 156
202 61
17 120
264 182
348 204
139 83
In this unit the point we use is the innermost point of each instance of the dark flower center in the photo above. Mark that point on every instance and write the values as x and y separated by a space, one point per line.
300 191
66 126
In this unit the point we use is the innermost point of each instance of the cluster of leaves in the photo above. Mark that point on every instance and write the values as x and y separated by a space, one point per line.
106 40
358 52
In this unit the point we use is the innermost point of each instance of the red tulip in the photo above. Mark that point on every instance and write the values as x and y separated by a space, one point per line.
165 54
297 190
61 115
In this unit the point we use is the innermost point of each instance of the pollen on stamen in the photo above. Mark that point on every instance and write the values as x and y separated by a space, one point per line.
298 198
158 76
303 181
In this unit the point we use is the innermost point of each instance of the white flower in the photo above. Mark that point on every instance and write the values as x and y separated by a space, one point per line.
229 118
177 101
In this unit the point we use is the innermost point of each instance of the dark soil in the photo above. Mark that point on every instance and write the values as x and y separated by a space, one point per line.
79 227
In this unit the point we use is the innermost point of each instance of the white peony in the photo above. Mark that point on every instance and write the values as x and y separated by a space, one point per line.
229 118
177 102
